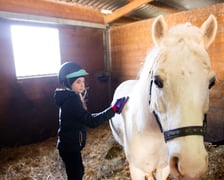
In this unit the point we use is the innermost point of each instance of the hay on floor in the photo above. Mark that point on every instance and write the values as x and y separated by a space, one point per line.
103 159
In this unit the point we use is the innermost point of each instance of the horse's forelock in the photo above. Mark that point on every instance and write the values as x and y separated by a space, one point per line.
183 35
183 32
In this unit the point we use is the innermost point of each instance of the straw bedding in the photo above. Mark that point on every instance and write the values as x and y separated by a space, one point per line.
103 159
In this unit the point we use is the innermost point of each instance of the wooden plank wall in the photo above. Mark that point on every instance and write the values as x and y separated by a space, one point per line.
130 43
53 9
27 109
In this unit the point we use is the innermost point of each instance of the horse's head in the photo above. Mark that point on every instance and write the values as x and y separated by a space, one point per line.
181 77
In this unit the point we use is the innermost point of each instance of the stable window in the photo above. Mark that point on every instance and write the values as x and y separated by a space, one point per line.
36 50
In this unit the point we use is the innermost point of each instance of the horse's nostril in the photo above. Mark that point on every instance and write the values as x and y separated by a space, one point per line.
174 166
175 162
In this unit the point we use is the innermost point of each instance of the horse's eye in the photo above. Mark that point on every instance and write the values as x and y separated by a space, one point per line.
211 82
158 81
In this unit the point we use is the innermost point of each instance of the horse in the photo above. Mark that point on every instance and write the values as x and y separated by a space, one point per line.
162 126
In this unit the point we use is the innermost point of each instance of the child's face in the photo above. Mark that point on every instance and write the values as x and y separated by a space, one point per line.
79 85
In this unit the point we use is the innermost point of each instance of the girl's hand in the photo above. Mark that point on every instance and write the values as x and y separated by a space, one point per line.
119 104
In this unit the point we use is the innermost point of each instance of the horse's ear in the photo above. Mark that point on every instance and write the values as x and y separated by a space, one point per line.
159 29
209 29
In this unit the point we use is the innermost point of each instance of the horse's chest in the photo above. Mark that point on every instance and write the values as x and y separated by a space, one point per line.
146 149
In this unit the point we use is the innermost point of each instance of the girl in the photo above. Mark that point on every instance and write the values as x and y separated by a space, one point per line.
74 117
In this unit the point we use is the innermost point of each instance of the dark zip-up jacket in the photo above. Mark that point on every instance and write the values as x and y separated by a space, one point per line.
73 120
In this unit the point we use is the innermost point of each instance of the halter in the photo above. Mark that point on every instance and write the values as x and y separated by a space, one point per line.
182 131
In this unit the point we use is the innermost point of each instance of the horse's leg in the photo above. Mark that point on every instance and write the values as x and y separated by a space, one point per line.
137 174
163 173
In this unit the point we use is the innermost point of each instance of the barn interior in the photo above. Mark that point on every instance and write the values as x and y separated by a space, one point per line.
110 38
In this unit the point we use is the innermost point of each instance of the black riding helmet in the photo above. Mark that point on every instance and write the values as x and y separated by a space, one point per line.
69 72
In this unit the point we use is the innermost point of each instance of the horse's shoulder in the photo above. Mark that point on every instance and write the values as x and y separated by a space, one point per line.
128 82
125 88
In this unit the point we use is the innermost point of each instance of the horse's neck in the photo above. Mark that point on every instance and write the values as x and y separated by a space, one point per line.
144 117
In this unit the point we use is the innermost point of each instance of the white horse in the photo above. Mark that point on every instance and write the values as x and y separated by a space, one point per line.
161 127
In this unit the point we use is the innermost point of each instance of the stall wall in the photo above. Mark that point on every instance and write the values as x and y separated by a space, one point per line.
130 44
27 108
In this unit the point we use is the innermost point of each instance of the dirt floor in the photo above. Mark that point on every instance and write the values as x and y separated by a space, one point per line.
103 159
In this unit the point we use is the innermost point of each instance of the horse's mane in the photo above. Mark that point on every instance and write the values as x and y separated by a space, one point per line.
150 60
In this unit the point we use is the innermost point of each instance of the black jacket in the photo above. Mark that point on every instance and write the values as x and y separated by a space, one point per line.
73 120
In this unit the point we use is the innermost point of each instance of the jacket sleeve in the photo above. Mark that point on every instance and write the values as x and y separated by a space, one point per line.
94 120
85 117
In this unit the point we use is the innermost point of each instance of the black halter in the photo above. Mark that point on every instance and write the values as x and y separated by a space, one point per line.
182 131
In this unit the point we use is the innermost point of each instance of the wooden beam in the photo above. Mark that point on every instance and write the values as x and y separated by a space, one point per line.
124 10
51 8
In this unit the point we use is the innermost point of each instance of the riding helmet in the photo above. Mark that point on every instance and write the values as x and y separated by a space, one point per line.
69 72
